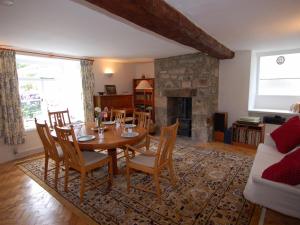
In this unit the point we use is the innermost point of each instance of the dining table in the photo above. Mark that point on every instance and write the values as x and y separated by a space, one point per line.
113 137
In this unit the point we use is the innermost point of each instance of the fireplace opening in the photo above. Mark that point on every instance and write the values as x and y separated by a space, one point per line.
181 108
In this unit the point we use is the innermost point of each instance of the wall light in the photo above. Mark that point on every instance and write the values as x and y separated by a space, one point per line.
108 72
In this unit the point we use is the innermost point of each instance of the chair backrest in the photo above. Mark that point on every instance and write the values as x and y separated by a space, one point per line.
59 117
118 114
47 140
143 119
166 144
67 140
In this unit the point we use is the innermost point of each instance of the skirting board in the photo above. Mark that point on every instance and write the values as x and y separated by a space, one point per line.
28 152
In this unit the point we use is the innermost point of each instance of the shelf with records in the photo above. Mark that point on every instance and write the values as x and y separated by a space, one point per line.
248 135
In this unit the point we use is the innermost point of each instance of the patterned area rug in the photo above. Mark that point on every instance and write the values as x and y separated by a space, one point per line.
208 191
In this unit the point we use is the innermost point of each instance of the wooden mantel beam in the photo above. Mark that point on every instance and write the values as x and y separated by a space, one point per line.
163 19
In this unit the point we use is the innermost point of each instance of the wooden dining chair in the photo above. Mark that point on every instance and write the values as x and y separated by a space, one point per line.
118 114
81 161
61 118
154 162
142 119
51 150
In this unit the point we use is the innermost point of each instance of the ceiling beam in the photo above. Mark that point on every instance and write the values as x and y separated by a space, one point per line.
163 19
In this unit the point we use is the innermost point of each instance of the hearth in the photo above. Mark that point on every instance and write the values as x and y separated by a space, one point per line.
181 108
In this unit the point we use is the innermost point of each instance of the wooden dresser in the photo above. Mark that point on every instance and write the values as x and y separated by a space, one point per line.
115 102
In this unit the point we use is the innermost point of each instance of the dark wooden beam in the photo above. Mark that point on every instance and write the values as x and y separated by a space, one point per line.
161 18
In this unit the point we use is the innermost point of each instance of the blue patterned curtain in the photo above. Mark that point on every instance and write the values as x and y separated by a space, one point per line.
88 84
11 120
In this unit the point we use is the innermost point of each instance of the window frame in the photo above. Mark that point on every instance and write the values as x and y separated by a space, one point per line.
275 104
262 54
29 129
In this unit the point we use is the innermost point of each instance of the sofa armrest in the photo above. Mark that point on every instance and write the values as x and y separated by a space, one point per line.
269 141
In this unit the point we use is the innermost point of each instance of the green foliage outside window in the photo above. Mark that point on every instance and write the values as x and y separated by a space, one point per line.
31 109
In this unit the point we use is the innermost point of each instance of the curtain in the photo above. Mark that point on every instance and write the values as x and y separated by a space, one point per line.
88 84
11 119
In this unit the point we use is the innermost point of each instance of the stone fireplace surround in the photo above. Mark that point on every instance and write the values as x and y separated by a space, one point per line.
192 75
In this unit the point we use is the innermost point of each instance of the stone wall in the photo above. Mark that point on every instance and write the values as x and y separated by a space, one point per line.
196 75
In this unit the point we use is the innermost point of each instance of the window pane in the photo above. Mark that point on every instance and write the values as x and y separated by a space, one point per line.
31 100
270 69
279 87
47 83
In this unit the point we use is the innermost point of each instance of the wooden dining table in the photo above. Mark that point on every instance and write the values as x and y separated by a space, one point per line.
112 139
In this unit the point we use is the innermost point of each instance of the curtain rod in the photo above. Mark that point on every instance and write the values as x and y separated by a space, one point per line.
50 55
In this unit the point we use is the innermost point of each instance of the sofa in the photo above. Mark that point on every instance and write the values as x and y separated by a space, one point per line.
273 195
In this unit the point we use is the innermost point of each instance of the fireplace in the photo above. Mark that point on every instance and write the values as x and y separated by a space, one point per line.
181 108
194 76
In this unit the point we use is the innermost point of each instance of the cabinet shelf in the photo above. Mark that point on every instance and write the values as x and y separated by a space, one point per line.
143 100
248 135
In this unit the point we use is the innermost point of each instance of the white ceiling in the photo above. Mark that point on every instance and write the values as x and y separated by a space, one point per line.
260 25
67 27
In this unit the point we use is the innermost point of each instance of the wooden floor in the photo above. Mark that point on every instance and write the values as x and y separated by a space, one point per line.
23 201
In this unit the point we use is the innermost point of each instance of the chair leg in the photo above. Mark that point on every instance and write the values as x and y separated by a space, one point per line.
56 174
172 173
128 178
156 181
132 154
46 167
82 184
66 176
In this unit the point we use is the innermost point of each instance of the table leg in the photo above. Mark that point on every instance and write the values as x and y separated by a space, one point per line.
113 153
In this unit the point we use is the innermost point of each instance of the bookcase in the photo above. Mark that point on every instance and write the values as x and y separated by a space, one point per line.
143 100
248 135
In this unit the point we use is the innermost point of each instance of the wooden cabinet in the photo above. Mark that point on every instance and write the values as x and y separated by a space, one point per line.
115 102
143 100
248 135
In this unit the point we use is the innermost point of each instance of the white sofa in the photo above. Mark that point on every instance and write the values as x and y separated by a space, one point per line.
273 195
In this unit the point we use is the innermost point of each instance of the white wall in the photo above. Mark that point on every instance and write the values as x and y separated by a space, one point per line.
146 69
122 77
123 74
234 76
32 145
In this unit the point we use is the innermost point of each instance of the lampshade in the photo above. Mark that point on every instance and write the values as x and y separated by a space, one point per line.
143 85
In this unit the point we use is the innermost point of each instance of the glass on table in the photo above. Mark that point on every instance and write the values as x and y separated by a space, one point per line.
101 132
77 130
117 123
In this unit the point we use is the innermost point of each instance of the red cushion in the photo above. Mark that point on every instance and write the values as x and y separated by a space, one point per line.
287 170
287 136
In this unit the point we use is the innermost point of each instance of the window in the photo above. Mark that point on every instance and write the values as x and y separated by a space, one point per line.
275 82
279 75
47 83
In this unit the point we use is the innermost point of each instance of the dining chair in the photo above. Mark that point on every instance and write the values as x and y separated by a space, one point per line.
81 161
51 150
153 163
142 119
61 118
118 114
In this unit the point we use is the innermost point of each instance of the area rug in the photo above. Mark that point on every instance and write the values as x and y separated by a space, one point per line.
209 191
